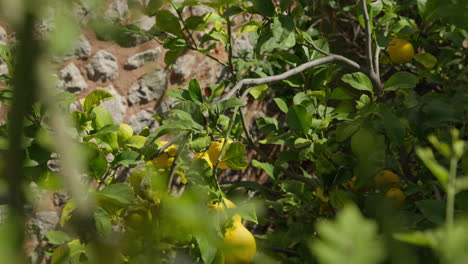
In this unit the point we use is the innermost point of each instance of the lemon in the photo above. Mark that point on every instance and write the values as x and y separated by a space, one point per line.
240 246
125 132
386 177
219 206
396 194
165 159
400 51
215 149
203 156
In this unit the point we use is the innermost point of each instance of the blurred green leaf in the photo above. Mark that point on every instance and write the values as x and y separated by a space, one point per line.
235 156
433 210
95 98
56 237
299 118
349 239
401 80
426 59
166 21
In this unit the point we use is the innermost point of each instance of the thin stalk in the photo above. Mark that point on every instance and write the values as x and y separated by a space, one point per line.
174 163
451 189
229 51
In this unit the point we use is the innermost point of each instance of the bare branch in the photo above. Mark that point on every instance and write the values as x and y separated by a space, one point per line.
368 36
311 43
299 69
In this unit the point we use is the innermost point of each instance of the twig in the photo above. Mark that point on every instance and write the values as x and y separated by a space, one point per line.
311 43
174 163
376 60
168 144
368 36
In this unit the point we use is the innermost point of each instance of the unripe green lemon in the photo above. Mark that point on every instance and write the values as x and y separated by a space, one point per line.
239 243
400 51
125 132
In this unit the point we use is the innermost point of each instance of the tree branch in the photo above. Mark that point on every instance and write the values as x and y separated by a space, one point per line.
368 36
299 69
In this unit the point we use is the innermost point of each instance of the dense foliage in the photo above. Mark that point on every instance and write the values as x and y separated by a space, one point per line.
372 160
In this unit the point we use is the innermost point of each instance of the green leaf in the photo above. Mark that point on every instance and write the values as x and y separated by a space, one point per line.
298 118
426 59
348 239
281 104
267 124
393 127
345 130
223 105
235 156
433 210
195 92
283 32
201 143
136 142
127 159
251 26
56 237
340 93
441 173
418 238
153 7
358 80
64 100
263 7
267 167
166 21
95 98
401 80
102 221
119 194
193 109
97 162
178 93
259 91
207 250
172 55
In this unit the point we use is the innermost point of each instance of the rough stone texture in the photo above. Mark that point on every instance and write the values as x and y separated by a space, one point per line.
3 67
3 36
103 67
183 64
145 22
41 223
117 106
141 58
200 10
118 11
142 119
243 43
83 47
149 88
71 79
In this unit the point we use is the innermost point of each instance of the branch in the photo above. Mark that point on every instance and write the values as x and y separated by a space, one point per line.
368 36
299 69
174 163
168 144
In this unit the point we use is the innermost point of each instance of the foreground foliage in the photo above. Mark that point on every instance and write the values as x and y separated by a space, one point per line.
372 158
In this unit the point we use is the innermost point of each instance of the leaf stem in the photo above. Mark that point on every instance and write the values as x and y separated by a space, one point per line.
451 189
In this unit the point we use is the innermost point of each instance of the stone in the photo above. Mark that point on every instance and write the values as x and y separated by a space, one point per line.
184 65
145 22
41 223
83 48
117 106
103 67
141 58
242 44
3 36
200 10
71 79
118 11
143 119
148 88
3 67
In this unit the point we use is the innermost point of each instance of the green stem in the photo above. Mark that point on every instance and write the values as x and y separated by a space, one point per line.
229 51
451 189
174 163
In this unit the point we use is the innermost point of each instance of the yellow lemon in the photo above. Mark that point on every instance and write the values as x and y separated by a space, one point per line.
219 206
386 177
165 159
319 193
215 149
240 246
204 156
400 51
396 194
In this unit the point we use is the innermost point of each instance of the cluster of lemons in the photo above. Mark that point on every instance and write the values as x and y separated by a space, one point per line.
239 244
389 181
213 152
